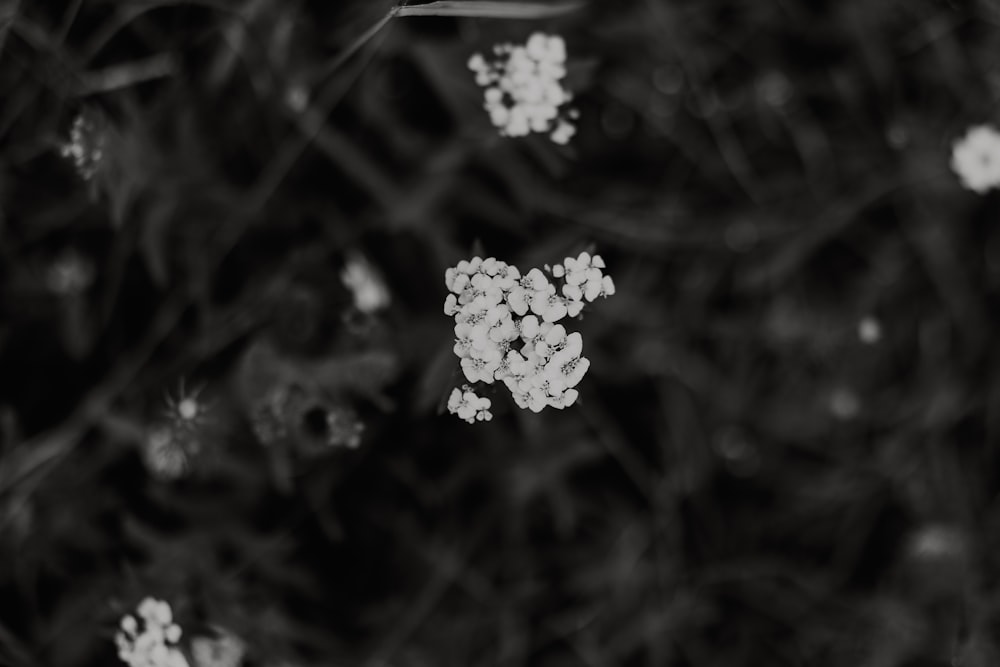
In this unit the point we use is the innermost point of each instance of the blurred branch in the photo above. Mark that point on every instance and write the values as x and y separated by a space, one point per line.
38 455
7 17
727 142
459 8
68 21
131 12
797 252
615 442
311 123
448 564
12 651
354 46
235 34
129 74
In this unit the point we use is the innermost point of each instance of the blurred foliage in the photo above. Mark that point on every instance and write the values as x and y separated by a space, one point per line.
744 481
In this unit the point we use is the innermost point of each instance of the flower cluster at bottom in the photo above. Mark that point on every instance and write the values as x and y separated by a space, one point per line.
154 644
506 328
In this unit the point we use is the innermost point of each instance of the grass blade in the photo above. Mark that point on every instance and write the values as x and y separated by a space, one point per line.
491 10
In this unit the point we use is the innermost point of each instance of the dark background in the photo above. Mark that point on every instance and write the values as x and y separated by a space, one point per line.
744 481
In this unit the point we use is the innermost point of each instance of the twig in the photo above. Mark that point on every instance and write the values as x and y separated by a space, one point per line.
28 464
7 19
311 125
68 21
357 44
491 10
447 572
458 8
125 75
133 11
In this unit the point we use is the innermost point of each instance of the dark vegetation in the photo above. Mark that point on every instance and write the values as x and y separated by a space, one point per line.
744 481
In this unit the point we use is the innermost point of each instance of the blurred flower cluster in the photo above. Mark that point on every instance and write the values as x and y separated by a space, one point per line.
976 159
70 274
154 645
290 415
171 444
367 287
85 146
523 91
225 649
506 329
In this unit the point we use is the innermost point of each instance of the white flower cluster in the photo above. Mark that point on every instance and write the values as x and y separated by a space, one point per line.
523 90
468 406
976 159
506 329
153 646
85 147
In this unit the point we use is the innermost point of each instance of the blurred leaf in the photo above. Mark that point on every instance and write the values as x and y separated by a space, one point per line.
78 328
153 241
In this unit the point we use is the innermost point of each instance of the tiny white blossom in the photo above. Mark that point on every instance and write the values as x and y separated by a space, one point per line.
563 132
869 330
533 285
585 279
481 368
173 633
366 285
450 304
566 368
468 406
185 410
976 159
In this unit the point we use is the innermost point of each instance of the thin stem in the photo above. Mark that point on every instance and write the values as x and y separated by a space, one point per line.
362 39
488 9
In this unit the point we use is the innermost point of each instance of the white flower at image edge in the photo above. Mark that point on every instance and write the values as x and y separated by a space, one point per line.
976 159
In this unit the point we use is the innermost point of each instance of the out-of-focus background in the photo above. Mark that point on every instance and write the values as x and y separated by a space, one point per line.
785 451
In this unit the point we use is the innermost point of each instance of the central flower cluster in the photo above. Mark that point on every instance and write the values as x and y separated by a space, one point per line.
506 328
523 92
